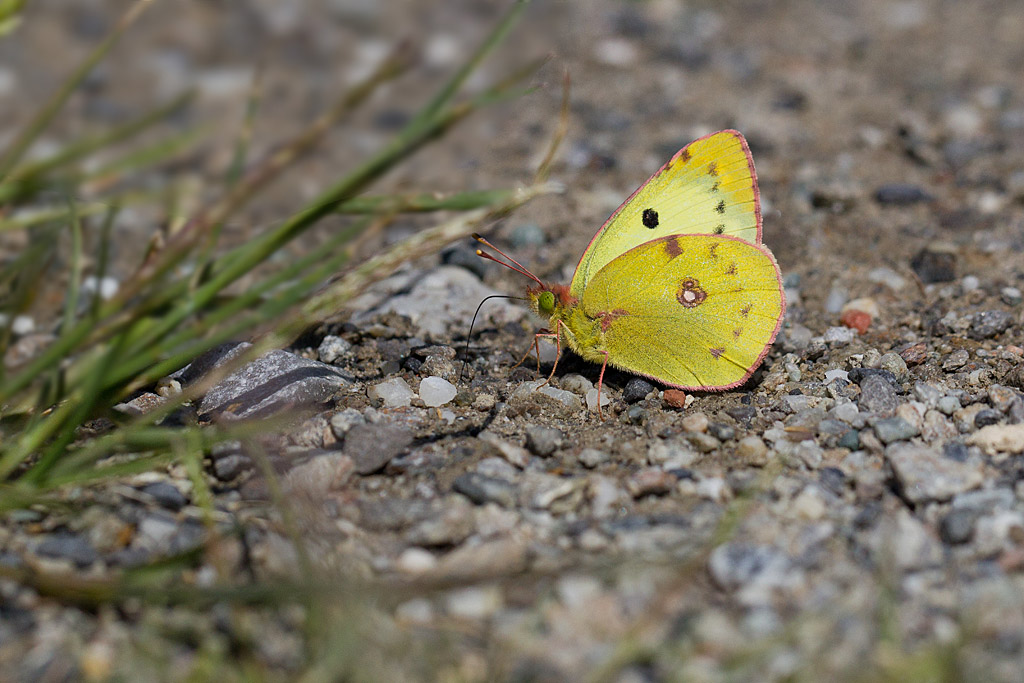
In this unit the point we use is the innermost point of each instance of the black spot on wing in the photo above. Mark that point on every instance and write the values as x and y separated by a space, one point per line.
650 218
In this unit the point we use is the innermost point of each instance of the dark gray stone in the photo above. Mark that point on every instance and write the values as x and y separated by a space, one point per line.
636 389
988 324
986 417
932 265
901 194
957 526
67 546
166 495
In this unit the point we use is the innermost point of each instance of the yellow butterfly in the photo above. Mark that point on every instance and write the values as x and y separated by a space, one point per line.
676 285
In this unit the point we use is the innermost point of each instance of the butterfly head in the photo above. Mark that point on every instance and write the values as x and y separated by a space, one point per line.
550 301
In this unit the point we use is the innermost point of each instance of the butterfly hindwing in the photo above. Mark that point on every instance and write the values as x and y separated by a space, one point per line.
708 187
694 311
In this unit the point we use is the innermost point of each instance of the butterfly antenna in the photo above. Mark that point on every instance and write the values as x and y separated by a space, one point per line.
515 265
465 350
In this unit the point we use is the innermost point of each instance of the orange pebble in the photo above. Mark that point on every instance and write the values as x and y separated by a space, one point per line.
675 398
857 320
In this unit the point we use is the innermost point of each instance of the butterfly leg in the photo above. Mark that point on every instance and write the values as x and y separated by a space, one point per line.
529 348
558 351
600 380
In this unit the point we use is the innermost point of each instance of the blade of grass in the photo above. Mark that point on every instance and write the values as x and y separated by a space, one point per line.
252 105
79 149
10 158
422 202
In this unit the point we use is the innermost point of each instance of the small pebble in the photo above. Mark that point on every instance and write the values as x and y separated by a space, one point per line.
892 429
636 389
332 348
901 194
393 393
915 354
435 391
593 457
894 363
675 398
839 335
543 441
935 264
753 450
695 422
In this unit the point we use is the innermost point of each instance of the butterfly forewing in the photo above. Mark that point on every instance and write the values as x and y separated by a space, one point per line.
694 311
708 187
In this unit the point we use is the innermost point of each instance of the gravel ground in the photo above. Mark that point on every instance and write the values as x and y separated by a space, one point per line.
855 511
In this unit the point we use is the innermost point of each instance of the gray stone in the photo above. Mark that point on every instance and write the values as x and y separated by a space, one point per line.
543 441
892 429
592 457
273 383
229 466
636 389
988 324
372 446
925 475
957 526
166 495
482 489
71 547
877 396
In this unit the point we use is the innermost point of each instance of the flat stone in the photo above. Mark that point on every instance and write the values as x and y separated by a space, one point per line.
925 475
372 446
71 547
275 382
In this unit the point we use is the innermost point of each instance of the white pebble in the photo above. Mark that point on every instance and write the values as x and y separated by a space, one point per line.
23 325
106 286
436 391
415 561
394 392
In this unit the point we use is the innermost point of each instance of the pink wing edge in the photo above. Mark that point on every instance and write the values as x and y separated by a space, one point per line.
767 347
753 177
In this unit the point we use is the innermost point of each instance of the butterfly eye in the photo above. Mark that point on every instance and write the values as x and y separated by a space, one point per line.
546 302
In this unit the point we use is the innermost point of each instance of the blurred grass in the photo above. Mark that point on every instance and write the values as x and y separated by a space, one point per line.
178 303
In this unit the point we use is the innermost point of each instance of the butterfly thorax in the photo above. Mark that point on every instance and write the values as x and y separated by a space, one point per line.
582 333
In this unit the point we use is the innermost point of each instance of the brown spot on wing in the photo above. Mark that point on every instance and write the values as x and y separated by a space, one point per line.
712 250
684 156
713 169
720 228
720 208
731 270
672 247
717 353
606 317
745 311
690 294
737 333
